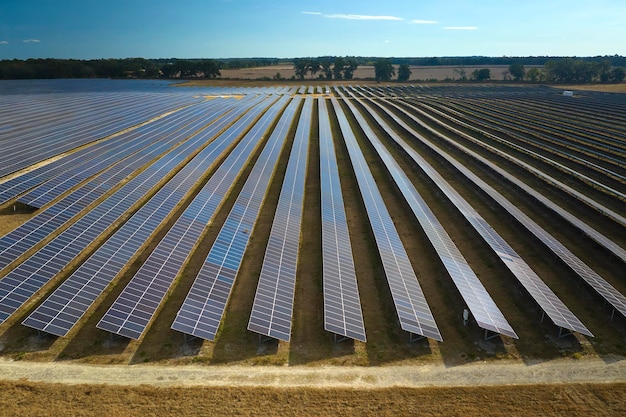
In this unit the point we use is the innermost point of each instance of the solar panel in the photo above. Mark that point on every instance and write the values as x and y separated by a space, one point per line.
91 278
117 149
484 310
411 306
541 293
342 304
27 278
122 112
19 241
272 309
203 309
131 313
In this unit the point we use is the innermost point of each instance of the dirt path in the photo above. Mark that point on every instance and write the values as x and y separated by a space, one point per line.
475 374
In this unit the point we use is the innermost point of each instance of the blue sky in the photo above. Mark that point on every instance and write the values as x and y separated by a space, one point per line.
87 29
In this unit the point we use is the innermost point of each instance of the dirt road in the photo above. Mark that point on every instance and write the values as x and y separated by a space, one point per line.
474 374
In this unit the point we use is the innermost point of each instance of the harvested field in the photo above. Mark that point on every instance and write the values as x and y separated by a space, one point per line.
532 133
421 73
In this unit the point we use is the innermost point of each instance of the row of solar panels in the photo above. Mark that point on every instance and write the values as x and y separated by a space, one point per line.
202 311
549 302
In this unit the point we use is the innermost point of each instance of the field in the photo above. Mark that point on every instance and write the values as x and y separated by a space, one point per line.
422 73
552 149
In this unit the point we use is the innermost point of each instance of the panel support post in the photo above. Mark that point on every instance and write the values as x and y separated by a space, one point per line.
490 335
415 337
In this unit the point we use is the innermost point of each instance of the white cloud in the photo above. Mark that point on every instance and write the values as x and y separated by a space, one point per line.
461 27
3 42
361 17
423 22
315 13
387 41
31 41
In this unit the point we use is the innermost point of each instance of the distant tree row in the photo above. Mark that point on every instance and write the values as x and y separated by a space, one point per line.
570 71
614 60
109 68
327 68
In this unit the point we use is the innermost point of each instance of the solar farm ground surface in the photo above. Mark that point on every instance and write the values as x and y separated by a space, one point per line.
387 345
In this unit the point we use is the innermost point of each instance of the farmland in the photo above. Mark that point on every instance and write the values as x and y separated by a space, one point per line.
520 178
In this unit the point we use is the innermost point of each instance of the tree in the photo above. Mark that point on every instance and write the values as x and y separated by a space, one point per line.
383 69
300 66
338 68
517 71
404 73
461 73
481 74
313 66
617 75
350 65
327 64
535 75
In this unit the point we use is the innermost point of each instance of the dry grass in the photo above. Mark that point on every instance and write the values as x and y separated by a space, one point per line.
25 399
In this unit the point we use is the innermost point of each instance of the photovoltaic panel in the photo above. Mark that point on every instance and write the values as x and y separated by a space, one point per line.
133 310
541 293
120 148
19 241
123 112
203 309
606 211
60 312
484 310
28 277
342 303
272 309
411 306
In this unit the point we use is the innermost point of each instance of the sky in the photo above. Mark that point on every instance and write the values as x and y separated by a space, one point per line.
94 29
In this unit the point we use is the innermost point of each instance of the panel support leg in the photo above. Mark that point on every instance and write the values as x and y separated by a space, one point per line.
415 337
490 335
338 338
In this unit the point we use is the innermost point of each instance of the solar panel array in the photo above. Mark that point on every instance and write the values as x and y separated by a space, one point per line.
541 293
272 309
117 149
484 310
411 305
50 145
131 313
599 284
28 277
19 241
342 304
60 312
203 309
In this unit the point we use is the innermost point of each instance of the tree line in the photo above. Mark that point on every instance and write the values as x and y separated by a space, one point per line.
109 68
569 71
608 69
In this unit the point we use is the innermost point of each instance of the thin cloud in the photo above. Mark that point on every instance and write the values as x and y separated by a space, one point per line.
461 27
3 42
31 41
423 22
361 17
387 41
315 13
